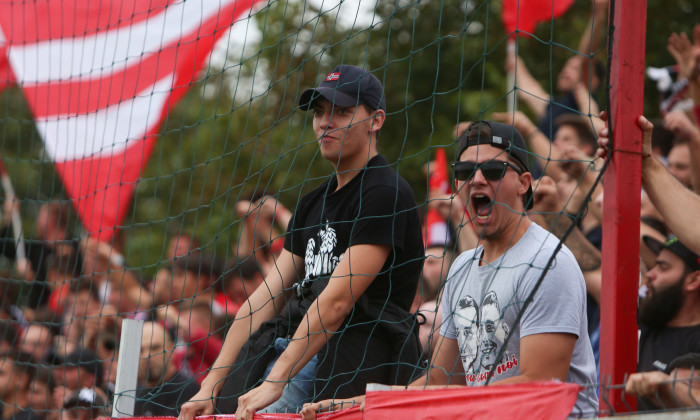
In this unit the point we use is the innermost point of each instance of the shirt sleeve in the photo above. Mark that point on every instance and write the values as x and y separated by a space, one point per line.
558 304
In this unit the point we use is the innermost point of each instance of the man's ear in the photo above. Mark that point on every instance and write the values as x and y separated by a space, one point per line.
692 281
525 182
377 120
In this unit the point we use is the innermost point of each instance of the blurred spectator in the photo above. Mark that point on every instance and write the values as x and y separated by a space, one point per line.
675 203
163 389
60 270
183 245
85 316
264 220
9 337
108 351
668 316
579 77
105 267
40 391
679 164
37 339
192 280
82 369
239 282
684 157
577 131
85 404
16 373
661 140
438 259
51 237
193 323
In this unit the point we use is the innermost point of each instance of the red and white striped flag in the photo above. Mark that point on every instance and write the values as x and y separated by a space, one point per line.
100 77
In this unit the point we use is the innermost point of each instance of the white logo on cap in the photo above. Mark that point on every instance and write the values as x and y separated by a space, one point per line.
497 140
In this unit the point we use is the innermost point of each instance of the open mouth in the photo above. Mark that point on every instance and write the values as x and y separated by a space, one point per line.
482 204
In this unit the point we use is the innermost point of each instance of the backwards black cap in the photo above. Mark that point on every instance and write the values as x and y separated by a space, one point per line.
499 135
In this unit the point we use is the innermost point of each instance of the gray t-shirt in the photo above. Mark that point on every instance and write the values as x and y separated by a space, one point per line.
481 304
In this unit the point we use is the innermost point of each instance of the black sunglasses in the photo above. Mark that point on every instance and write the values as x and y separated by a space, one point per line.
493 170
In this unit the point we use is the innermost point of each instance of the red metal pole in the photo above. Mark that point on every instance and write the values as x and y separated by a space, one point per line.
622 184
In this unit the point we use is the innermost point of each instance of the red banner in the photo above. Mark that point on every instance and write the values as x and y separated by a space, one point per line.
541 400
524 15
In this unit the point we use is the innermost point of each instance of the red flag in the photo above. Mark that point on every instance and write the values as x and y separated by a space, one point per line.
436 228
439 179
100 77
524 15
549 400
6 76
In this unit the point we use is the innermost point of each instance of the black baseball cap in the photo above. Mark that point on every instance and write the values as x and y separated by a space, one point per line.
347 86
690 258
86 359
499 135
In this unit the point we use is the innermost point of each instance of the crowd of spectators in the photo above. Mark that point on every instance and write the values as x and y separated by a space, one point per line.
59 349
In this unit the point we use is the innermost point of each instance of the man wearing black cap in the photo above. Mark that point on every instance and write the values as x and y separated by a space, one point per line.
333 314
486 321
669 316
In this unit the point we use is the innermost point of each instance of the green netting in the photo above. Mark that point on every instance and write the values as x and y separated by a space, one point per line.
234 157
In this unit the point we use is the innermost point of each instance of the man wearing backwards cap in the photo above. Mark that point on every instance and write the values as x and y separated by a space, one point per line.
352 257
490 285
487 287
669 316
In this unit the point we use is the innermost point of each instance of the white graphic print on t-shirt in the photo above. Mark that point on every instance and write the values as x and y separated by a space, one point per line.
481 334
321 262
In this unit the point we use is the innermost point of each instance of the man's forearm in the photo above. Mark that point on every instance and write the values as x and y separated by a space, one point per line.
263 304
587 255
678 205
245 324
316 329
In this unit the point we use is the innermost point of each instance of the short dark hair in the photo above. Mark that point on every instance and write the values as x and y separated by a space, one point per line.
88 361
582 126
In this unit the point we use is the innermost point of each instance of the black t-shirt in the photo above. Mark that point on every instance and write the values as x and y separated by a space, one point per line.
378 342
375 207
165 400
657 348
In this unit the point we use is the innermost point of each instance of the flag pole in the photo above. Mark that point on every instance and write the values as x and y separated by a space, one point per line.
15 219
511 76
